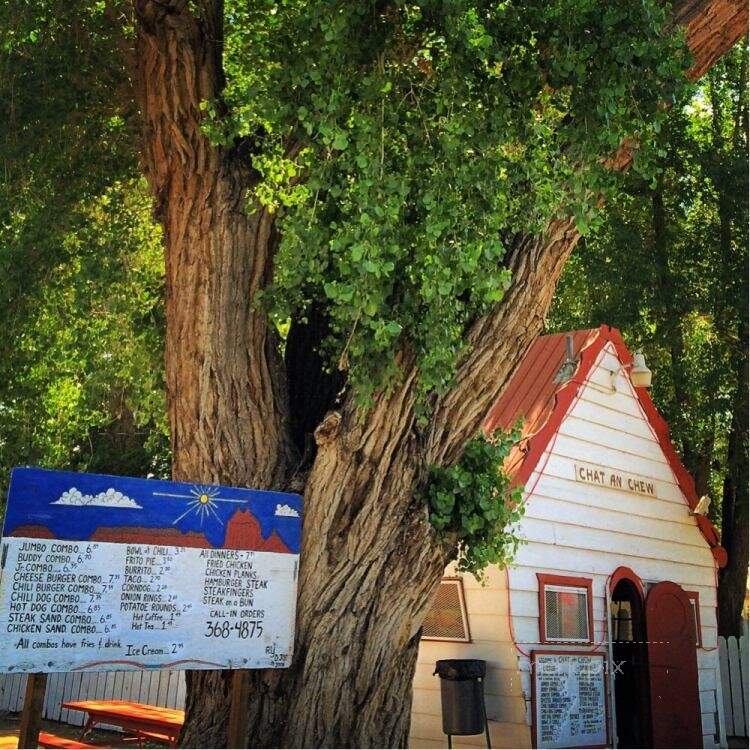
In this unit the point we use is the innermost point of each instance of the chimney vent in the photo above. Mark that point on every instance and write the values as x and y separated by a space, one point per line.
570 363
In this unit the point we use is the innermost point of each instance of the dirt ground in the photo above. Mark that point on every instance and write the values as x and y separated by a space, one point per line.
9 733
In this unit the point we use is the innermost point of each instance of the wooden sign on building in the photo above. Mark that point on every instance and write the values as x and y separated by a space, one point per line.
568 699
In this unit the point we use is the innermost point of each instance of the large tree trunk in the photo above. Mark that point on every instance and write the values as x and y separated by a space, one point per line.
225 386
370 561
369 566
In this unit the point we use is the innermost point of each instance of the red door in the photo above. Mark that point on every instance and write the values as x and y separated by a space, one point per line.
673 668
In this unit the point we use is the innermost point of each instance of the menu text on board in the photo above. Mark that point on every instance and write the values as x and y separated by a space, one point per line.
568 698
100 572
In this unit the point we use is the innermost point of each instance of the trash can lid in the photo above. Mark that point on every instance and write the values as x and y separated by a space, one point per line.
460 669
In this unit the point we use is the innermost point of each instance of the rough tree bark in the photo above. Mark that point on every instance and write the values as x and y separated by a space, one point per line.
225 384
369 562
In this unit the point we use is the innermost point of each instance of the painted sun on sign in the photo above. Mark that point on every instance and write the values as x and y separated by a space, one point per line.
201 501
66 505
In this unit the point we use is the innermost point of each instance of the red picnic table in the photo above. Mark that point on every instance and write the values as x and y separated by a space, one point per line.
142 720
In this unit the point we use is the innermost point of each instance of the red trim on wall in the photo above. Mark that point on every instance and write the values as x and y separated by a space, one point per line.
564 652
694 596
550 579
535 445
626 573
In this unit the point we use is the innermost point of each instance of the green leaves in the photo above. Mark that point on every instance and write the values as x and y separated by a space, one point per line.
432 133
83 382
473 506
340 142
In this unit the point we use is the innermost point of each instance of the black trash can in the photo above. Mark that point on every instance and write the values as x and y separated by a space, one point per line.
462 696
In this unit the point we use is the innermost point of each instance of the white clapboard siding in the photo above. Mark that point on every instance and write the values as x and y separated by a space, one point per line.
577 529
156 688
565 487
733 653
647 466
487 607
571 513
557 534
569 450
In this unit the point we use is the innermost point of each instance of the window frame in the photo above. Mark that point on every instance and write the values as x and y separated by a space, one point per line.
695 600
566 582
459 583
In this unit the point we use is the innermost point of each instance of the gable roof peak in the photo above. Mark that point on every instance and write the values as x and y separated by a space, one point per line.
542 390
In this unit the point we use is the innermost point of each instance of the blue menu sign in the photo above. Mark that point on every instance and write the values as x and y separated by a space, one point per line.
101 572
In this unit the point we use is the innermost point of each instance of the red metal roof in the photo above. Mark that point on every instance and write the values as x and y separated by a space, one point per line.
533 395
530 394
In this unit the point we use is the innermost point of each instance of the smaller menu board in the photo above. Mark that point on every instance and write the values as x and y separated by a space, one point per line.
568 700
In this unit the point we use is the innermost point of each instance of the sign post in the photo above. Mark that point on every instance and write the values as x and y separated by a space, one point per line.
113 573
31 714
238 716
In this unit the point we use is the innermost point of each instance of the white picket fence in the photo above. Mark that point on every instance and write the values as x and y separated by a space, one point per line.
158 688
165 688
733 661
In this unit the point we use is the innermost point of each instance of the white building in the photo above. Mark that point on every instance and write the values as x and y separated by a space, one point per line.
603 632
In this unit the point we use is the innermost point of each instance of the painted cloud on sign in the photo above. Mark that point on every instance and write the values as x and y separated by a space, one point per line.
111 499
286 510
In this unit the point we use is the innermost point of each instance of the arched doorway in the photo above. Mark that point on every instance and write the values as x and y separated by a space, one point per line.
630 660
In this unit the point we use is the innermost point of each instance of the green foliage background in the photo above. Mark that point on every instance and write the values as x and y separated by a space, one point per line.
474 507
81 269
669 267
82 366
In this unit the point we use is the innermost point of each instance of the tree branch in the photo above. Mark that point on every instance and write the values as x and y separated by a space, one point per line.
498 341
711 29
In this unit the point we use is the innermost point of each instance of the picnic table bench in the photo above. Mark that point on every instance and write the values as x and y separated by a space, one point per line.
49 740
139 719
